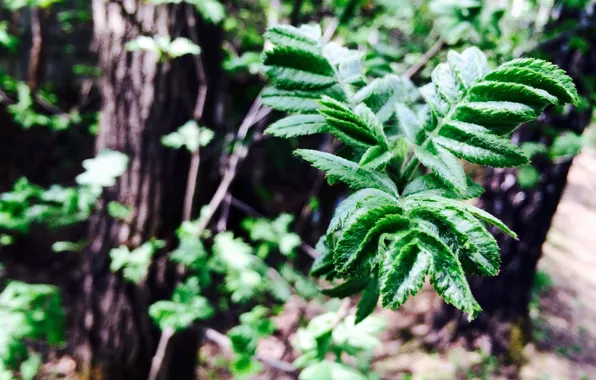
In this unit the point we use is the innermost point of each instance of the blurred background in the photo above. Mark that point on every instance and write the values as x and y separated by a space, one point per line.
149 229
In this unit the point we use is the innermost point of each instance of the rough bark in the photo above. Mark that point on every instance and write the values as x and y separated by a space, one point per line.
504 323
142 99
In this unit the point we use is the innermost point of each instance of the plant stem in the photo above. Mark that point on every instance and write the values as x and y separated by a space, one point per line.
413 70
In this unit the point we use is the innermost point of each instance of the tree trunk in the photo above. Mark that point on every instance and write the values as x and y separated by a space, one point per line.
503 326
143 99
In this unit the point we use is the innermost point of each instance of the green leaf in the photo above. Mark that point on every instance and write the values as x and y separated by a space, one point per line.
527 176
368 300
382 94
485 216
287 35
566 145
492 90
134 264
291 101
189 135
447 276
486 259
447 83
327 370
293 69
348 287
495 115
181 46
564 88
403 273
477 145
103 170
444 165
338 168
470 66
358 202
298 125
356 249
375 158
429 184
409 124
345 124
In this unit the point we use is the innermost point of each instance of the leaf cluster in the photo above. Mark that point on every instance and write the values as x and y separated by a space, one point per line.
398 228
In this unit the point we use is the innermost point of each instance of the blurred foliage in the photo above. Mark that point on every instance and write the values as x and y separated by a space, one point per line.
257 267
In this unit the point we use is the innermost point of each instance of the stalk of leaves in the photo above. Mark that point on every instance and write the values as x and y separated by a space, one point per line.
398 228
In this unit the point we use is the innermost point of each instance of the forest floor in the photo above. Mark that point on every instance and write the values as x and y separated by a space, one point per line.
563 312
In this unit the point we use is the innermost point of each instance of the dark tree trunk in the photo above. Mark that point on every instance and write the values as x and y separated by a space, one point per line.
143 99
529 212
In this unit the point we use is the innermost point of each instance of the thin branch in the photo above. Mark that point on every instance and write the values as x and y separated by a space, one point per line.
36 56
193 174
160 354
413 70
225 344
253 116
195 162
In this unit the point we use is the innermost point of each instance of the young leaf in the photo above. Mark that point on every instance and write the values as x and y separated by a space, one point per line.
429 184
375 158
345 124
477 145
403 273
382 94
304 102
447 276
298 125
409 124
348 288
444 165
338 168
356 249
368 300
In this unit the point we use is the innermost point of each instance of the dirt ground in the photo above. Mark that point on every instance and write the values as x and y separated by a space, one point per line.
563 312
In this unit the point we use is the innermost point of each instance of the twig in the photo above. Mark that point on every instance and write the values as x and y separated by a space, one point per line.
254 115
412 70
225 344
222 223
193 170
36 55
191 183
160 354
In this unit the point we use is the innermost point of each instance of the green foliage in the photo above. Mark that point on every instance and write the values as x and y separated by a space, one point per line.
186 306
211 10
25 114
134 264
190 136
272 233
119 211
15 5
397 230
566 145
7 40
328 333
164 46
102 170
27 312
254 326
527 176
